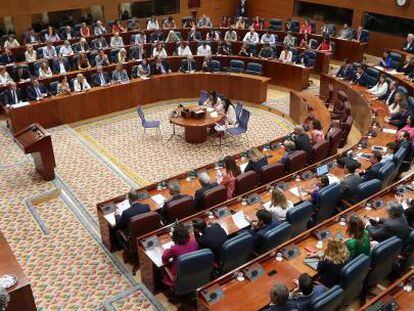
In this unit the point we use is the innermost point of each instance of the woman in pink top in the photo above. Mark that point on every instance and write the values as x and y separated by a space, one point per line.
227 175
316 134
408 128
305 27
183 244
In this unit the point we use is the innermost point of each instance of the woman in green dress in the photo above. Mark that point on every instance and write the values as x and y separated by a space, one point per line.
359 241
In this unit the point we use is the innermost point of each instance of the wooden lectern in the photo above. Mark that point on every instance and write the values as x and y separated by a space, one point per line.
35 140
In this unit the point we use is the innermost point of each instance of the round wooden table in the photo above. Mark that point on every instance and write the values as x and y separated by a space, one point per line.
196 130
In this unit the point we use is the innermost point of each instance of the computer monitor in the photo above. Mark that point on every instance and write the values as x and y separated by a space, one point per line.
322 170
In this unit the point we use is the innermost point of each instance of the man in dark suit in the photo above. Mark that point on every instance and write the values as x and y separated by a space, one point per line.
351 181
36 90
206 185
302 141
60 65
373 172
395 225
7 57
360 77
13 95
100 43
22 74
175 192
194 35
68 34
361 35
409 43
157 36
100 78
211 237
390 95
122 219
160 66
290 149
260 227
30 37
306 292
189 65
345 71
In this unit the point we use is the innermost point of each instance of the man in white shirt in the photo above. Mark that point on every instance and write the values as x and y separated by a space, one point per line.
117 41
99 29
183 49
230 35
66 49
139 39
204 49
49 51
268 38
159 50
153 24
251 37
81 84
286 55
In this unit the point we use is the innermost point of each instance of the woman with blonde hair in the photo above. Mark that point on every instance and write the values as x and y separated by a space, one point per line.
336 255
279 204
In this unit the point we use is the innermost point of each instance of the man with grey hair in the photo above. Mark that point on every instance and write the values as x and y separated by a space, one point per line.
395 225
302 141
4 299
174 189
279 296
206 185
290 149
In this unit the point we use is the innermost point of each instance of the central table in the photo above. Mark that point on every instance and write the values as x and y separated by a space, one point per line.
196 130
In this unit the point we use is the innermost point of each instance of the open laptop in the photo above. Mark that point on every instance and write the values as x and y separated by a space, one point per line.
322 170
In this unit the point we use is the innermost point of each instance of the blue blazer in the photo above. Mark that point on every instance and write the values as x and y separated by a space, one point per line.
372 173
256 166
345 72
362 80
135 209
31 93
303 303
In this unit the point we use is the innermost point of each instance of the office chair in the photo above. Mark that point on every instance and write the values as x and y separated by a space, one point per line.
148 124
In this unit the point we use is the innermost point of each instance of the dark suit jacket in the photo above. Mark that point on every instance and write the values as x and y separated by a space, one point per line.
135 209
361 81
25 75
289 306
303 302
155 36
97 46
194 36
31 93
408 47
363 37
185 66
256 165
213 238
302 142
64 35
8 98
372 173
259 234
156 71
387 228
96 81
348 186
345 72
389 92
56 67
199 192
7 59
27 38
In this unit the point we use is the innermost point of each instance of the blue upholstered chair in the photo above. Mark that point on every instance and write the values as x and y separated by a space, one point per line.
242 126
309 58
313 43
148 124
386 173
353 275
216 65
299 216
402 89
372 76
236 252
330 300
276 24
53 87
326 202
396 59
238 109
254 68
236 66
193 270
203 97
365 190
275 237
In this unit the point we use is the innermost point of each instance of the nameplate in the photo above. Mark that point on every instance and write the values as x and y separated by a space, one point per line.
322 234
282 185
150 242
221 212
212 295
290 251
253 272
253 199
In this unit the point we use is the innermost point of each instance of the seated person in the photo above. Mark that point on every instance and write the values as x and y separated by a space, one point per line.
82 46
257 23
66 49
160 66
359 240
119 74
213 35
189 65
290 148
183 244
266 52
268 37
407 68
99 29
36 90
305 27
13 95
159 50
175 192
157 36
45 71
102 59
172 37
391 149
153 23
213 101
351 181
142 70
100 43
306 292
360 35
376 164
315 133
346 33
116 41
30 55
279 296
212 236
328 29
345 71
288 39
207 65
323 182
325 45
224 48
251 37
194 35
392 91
240 23
139 39
133 25
83 62
262 225
169 23
135 209
404 140
206 185
63 86
100 78
81 84
183 49
204 49
22 75
332 260
409 127
381 88
226 176
243 50
5 77
359 77
122 56
286 55
409 43
279 204
302 141
225 22
230 35
305 42
204 22
117 27
395 225
385 60
7 57
51 35
256 160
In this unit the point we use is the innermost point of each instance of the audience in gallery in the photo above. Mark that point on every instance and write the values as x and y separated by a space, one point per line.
304 43
257 23
45 71
326 45
279 204
189 65
116 41
251 37
289 40
153 24
346 33
206 184
260 226
207 65
159 51
226 176
11 42
305 27
100 78
22 75
194 35
212 35
210 236
30 54
169 23
119 74
385 60
142 70
160 66
268 37
117 27
172 37
240 23
256 160
230 35
80 84
286 55
13 95
204 22
5 77
133 25
83 62
225 22
266 52
408 45
204 49
183 49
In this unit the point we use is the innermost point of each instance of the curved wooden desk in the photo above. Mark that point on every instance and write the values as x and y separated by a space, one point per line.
196 130
58 110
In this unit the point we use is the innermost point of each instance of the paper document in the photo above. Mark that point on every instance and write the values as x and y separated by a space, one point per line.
110 218
224 227
21 104
243 166
404 205
167 245
389 131
159 199
122 206
214 114
267 204
240 221
155 254
295 191
333 179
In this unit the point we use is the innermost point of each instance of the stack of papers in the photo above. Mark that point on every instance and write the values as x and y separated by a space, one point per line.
214 114
155 254
243 166
295 191
240 220
21 104
333 179
267 204
159 199
121 207
389 131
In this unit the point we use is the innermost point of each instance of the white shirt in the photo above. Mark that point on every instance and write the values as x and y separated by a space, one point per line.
140 39
152 25
184 51
45 74
66 50
117 42
49 53
251 37
162 53
278 212
285 57
79 88
394 108
30 58
5 78
216 36
231 35
12 44
62 68
201 50
379 90
268 39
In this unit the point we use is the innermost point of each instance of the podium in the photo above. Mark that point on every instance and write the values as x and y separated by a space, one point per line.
35 140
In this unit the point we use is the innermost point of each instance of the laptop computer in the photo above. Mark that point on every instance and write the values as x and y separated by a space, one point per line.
322 170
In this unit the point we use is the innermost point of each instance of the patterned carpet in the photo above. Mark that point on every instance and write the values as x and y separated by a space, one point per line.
52 226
